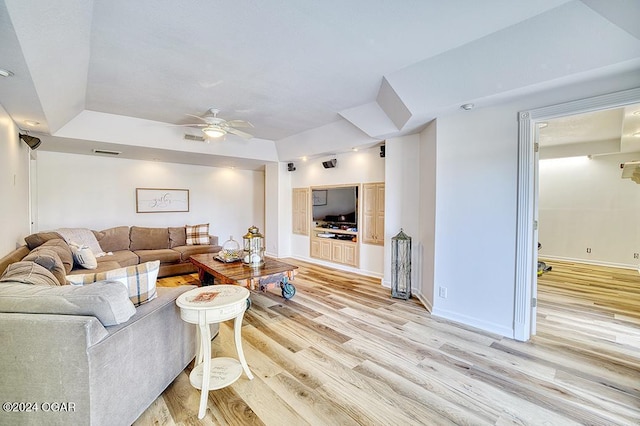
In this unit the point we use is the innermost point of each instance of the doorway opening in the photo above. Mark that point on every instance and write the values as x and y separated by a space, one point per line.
527 227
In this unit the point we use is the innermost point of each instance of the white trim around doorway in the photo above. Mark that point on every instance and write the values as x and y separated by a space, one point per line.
525 250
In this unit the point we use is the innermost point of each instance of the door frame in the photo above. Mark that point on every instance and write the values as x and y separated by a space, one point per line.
526 244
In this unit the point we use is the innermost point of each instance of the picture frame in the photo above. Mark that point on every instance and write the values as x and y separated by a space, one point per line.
319 197
161 200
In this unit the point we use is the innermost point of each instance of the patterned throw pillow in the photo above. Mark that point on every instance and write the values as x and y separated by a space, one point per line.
197 234
139 279
83 256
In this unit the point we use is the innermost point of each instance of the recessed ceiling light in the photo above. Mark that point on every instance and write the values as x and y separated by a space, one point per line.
542 124
5 73
31 122
304 158
354 149
636 112
467 107
636 135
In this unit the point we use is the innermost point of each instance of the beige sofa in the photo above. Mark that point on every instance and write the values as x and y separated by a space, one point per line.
127 246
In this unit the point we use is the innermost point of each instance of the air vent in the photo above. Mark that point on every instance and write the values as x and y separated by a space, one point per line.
106 151
193 137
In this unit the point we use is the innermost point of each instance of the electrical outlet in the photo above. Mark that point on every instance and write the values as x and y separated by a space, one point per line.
442 292
588 249
636 255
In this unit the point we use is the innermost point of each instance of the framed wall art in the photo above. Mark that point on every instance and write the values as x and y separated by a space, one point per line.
159 200
319 197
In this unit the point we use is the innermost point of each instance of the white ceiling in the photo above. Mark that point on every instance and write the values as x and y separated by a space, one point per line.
292 68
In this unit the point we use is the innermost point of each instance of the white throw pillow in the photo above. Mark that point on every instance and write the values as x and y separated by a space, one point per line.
83 256
139 279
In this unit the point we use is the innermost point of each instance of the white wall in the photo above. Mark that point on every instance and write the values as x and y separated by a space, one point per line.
584 204
476 217
98 193
14 186
428 167
352 168
402 201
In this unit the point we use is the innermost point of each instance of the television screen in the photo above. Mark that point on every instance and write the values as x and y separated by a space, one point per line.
335 204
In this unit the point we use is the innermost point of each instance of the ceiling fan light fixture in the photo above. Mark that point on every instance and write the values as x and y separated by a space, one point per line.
214 131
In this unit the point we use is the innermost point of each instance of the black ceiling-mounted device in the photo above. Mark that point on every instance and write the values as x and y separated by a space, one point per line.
330 164
291 167
32 141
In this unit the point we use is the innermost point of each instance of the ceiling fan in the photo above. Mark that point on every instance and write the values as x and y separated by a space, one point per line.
215 127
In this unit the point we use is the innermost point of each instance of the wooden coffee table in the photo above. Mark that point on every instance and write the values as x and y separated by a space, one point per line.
272 273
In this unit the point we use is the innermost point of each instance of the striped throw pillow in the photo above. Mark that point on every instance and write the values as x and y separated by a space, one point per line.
139 279
197 234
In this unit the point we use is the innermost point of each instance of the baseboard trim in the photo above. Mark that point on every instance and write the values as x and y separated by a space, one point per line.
589 262
339 267
427 305
474 322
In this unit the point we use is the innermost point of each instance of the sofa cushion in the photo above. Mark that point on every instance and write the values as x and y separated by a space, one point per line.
164 256
177 236
113 239
39 238
49 260
139 279
186 251
123 257
107 301
63 250
83 256
197 234
26 272
102 267
148 238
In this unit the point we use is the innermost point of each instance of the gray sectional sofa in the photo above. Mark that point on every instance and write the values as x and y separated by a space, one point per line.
75 355
105 375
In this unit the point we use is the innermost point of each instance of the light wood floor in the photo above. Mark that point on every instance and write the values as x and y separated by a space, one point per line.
342 352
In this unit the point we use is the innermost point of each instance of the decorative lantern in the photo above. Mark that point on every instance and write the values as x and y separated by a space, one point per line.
401 266
253 253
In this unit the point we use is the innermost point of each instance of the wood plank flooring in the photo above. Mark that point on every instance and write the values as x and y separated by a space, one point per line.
343 352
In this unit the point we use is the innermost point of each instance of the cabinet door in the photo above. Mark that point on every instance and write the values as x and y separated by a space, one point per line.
337 248
373 213
301 219
315 249
379 214
350 254
325 249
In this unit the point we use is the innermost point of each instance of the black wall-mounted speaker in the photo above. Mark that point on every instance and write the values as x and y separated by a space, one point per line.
32 141
382 153
291 167
330 164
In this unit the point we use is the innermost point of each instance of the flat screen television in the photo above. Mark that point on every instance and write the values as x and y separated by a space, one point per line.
335 205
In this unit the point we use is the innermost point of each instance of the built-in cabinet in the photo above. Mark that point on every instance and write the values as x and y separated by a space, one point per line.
337 239
301 211
373 213
328 245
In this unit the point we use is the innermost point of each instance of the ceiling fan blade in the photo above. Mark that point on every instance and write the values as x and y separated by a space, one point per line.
239 133
198 117
239 123
188 125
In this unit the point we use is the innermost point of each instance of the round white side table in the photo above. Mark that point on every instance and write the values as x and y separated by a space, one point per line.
208 305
